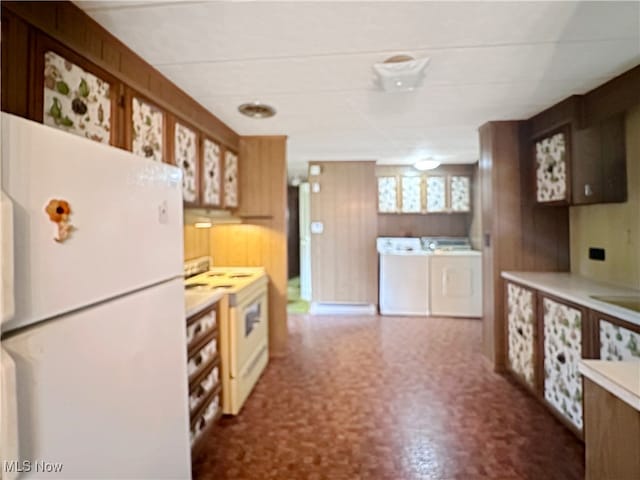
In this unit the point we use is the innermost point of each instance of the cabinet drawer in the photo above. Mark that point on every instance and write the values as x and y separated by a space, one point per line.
562 353
202 357
208 417
202 389
521 326
201 327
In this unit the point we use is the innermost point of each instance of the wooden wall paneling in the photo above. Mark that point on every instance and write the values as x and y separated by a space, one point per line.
570 111
501 221
262 240
485 172
614 97
344 256
66 23
418 225
14 64
196 242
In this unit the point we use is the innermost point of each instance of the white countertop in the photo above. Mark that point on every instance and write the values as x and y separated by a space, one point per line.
196 301
577 289
621 379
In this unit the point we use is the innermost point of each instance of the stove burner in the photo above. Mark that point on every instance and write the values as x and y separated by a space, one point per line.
222 286
239 275
216 274
196 285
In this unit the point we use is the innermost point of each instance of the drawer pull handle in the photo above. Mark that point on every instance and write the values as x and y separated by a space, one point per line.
520 331
197 330
198 359
561 358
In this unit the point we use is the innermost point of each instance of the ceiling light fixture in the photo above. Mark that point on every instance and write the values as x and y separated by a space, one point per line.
257 110
427 164
400 73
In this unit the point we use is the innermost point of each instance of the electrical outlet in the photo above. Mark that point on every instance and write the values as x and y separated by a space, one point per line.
596 254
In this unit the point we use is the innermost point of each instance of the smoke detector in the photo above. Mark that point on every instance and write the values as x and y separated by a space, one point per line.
400 73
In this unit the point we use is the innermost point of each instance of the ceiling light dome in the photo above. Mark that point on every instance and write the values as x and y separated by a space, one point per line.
257 110
426 164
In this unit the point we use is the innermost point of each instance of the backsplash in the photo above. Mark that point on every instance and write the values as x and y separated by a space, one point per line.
614 227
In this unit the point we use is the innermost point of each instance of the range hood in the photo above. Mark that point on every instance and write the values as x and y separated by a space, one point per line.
205 218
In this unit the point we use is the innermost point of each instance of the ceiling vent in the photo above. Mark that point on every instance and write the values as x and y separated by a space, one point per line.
400 73
257 110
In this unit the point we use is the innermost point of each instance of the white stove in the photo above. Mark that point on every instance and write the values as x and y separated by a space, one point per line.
244 326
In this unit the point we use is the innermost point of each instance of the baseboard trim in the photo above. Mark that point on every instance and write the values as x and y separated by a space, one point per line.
321 308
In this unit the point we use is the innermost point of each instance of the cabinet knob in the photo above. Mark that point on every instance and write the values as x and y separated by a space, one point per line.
519 330
561 358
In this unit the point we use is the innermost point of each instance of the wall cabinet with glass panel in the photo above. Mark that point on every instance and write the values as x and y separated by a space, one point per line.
424 194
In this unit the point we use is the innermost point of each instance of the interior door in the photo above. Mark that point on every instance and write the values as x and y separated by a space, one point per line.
305 242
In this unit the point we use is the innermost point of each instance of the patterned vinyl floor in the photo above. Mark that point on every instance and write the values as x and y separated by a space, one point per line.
388 398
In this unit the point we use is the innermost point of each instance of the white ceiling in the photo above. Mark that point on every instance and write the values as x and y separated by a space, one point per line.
312 62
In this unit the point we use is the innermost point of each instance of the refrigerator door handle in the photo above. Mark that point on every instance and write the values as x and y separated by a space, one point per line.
8 414
7 305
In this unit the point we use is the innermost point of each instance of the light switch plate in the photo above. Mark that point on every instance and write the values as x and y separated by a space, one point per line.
315 187
317 227
315 170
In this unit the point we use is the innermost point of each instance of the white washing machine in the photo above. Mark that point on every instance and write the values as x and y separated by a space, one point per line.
456 283
404 276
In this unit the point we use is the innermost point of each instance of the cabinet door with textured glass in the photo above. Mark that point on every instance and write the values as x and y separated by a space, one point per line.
521 327
211 174
552 167
618 343
436 193
147 129
411 194
231 192
562 353
76 100
185 146
387 194
460 191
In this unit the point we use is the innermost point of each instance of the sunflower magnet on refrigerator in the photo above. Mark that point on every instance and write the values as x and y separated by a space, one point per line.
59 211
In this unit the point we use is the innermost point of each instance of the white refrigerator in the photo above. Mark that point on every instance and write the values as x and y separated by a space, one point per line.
94 379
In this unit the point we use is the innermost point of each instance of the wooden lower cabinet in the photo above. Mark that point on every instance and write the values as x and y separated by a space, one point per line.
547 336
521 333
612 436
562 340
203 367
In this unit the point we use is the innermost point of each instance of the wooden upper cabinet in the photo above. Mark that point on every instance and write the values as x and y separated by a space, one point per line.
72 94
211 174
185 155
579 166
146 126
600 173
411 188
436 194
552 167
460 193
231 190
387 194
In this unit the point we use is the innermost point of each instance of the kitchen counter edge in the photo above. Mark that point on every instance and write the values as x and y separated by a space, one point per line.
621 379
209 300
577 289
